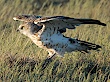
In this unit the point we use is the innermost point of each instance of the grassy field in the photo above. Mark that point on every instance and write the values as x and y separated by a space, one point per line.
21 59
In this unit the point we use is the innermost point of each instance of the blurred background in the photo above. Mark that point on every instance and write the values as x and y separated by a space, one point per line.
13 44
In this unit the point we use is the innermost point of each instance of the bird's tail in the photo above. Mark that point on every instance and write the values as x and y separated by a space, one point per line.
84 46
91 21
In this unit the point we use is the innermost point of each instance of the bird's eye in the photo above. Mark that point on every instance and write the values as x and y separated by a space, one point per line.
22 27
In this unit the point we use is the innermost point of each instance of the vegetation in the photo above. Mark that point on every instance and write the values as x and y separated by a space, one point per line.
21 59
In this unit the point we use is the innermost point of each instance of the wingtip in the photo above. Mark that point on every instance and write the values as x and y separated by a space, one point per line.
103 24
98 46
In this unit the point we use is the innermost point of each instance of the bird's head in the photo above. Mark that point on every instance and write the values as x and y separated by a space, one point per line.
28 28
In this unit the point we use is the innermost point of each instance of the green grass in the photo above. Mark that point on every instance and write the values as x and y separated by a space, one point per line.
21 59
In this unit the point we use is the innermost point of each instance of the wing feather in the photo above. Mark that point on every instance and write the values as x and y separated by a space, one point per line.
61 22
26 18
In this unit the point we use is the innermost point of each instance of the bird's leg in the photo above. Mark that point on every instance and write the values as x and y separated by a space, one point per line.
50 56
48 60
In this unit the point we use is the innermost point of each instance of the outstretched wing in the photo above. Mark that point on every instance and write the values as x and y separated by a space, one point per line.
61 22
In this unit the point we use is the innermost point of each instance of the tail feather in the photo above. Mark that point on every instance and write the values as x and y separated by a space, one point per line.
91 21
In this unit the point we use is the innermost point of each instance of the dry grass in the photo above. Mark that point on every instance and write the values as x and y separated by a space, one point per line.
24 59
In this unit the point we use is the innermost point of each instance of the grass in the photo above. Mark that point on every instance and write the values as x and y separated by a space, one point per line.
21 59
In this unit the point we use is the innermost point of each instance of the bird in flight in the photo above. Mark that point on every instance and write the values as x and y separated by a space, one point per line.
47 33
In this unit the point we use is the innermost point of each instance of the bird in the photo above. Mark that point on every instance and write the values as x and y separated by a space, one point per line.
47 33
